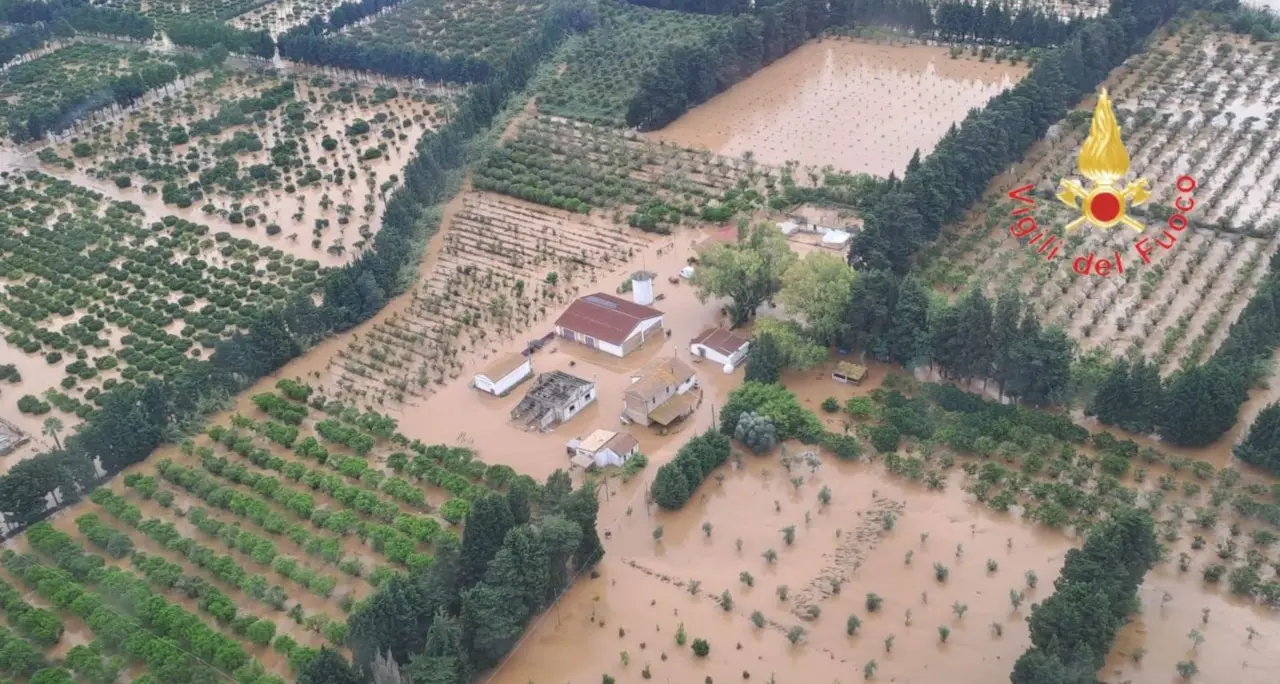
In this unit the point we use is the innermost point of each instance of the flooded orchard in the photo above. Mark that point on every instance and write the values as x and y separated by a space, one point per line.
873 538
306 158
856 106
644 591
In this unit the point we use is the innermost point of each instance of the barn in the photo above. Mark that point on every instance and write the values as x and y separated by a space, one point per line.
611 324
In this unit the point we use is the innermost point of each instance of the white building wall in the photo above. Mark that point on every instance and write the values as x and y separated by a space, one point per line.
720 359
646 326
577 405
505 383
703 351
608 348
606 457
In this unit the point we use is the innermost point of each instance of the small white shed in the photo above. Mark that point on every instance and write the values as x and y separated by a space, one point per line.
723 347
604 448
500 376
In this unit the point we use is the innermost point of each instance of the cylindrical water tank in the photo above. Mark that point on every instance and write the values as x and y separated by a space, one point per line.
642 287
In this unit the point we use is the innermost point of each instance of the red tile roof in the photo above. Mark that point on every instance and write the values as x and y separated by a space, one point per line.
605 317
720 340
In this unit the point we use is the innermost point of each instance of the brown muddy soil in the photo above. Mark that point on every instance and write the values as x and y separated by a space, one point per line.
855 106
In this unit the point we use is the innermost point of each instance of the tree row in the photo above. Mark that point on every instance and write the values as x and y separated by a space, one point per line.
1073 630
460 616
80 15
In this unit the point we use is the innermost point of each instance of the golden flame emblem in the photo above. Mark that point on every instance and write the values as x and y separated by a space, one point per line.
1104 161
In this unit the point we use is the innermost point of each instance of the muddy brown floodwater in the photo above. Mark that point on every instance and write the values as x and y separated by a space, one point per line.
853 105
643 587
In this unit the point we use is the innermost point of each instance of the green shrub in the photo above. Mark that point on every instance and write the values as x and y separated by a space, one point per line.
32 406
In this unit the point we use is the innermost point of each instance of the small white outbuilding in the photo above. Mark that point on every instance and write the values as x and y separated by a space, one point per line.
603 448
503 374
721 346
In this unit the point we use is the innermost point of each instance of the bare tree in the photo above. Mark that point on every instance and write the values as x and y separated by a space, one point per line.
386 670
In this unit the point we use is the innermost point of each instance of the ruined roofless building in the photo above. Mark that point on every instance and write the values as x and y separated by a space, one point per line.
554 398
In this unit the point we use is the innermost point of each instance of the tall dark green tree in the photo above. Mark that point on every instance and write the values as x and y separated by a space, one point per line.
891 234
487 525
492 619
1041 364
1200 404
563 539
518 503
1147 390
328 667
870 312
907 339
1113 401
764 360
443 659
976 349
522 566
1262 447
670 487
395 619
1005 334
946 349
582 508
556 491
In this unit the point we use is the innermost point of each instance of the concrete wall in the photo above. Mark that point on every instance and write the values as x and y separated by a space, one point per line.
502 385
713 355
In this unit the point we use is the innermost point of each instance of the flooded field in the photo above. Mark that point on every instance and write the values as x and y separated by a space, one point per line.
1183 111
626 620
644 586
855 106
282 15
795 567
300 162
140 304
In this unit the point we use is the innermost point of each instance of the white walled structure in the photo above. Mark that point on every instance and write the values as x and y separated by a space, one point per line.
500 376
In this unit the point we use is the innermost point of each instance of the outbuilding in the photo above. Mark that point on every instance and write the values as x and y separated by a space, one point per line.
611 324
604 448
725 348
499 377
555 397
849 373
